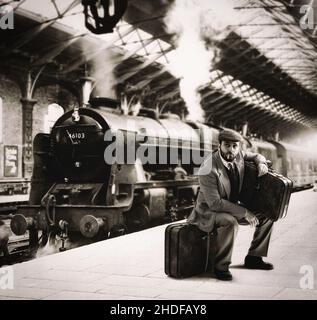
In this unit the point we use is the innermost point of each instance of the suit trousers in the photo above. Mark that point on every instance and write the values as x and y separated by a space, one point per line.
226 227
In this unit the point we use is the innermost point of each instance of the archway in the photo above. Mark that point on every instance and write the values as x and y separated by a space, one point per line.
54 111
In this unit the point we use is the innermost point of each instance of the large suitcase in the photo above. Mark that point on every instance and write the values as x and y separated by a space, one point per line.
186 250
268 195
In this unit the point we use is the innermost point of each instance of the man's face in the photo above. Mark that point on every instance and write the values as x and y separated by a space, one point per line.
229 150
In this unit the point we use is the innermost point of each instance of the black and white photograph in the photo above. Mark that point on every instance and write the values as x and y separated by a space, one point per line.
161 151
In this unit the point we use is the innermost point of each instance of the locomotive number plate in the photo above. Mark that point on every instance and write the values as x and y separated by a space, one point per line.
76 137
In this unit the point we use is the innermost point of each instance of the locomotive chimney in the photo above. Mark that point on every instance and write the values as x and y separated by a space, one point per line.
86 88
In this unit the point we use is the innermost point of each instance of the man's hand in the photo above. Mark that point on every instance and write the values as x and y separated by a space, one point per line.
251 218
262 169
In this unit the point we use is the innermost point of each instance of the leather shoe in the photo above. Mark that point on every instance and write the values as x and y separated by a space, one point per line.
253 262
223 275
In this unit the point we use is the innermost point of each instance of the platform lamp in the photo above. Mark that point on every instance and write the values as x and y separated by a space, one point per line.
101 16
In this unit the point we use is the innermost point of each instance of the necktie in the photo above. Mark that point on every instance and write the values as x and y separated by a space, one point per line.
231 167
234 181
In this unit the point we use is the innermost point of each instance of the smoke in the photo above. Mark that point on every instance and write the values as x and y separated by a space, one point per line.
103 66
50 248
54 243
196 24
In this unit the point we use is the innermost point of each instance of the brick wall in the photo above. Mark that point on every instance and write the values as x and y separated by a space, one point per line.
11 124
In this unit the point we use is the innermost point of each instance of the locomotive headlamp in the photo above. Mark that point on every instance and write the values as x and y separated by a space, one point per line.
75 114
101 16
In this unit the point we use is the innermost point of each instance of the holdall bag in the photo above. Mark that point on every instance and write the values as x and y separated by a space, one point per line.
268 195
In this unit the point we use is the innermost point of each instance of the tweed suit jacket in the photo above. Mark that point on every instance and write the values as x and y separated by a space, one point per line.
215 190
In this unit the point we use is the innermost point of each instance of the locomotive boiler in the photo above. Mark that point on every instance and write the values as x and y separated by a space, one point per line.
100 173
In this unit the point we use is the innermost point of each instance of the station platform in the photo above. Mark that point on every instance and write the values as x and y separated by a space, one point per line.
132 267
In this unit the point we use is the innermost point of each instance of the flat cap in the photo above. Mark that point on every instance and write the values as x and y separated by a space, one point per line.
229 135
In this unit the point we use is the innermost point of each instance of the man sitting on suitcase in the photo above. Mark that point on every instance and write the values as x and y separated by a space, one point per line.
217 207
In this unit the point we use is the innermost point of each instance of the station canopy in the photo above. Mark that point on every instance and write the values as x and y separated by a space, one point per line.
262 70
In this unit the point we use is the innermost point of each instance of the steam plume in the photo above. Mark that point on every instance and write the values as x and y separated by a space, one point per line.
196 24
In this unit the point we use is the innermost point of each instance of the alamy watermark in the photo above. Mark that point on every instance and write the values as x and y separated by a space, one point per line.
125 147
6 17
307 17
307 280
6 278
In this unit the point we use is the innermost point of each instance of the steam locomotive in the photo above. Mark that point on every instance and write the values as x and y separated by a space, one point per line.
78 191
